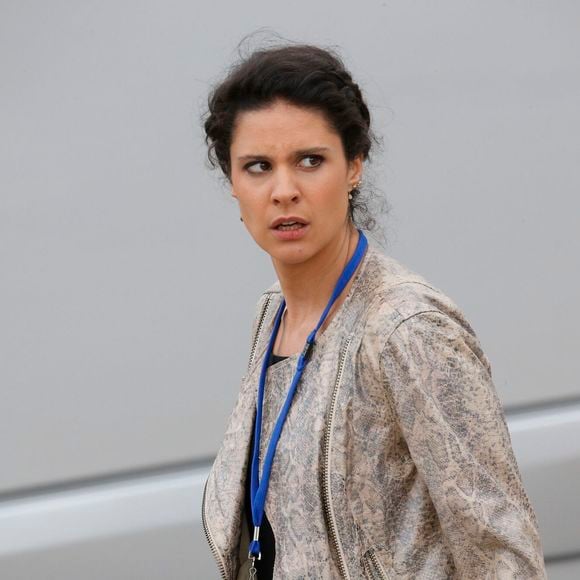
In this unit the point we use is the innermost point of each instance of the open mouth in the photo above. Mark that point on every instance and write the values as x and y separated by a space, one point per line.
289 226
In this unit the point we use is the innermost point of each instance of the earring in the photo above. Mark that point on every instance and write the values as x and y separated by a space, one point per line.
357 185
241 219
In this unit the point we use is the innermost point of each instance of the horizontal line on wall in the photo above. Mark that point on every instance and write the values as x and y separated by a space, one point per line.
563 403
562 558
107 479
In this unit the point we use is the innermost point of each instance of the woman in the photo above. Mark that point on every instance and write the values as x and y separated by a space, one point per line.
367 440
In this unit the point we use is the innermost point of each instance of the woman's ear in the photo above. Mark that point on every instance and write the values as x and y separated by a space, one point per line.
355 167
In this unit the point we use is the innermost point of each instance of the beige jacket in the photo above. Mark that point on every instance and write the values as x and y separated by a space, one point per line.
395 460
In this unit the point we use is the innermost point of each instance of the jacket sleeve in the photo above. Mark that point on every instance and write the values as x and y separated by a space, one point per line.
440 385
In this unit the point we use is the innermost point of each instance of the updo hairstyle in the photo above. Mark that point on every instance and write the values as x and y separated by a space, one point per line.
304 75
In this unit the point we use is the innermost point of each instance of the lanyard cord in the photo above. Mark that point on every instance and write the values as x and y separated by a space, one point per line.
258 488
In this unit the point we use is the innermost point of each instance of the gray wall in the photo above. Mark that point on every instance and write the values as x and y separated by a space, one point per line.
127 278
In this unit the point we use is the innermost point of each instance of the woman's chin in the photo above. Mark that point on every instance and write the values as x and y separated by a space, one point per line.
290 255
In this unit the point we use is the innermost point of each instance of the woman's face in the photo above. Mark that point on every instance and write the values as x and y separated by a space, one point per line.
287 162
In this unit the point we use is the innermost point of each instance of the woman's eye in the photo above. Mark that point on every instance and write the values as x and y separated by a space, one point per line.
257 166
317 159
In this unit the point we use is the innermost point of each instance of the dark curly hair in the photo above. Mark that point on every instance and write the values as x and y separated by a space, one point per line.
304 75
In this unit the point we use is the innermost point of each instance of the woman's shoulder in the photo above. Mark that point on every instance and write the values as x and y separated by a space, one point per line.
401 296
396 286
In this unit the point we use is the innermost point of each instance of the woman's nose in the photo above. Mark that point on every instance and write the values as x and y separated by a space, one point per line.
284 188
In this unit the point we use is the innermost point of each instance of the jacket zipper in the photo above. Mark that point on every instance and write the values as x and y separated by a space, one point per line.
209 537
374 567
216 554
258 331
333 532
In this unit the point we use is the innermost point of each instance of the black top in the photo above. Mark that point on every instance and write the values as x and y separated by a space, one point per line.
264 566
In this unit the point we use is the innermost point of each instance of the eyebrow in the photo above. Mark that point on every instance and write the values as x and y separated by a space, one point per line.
298 153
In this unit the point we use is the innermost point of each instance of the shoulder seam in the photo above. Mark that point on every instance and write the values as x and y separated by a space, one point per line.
411 281
413 315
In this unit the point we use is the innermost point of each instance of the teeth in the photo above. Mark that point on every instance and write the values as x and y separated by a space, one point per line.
291 226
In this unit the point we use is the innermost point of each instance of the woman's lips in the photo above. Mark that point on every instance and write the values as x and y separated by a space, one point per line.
289 235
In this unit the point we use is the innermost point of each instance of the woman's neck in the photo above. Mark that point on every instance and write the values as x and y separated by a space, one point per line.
307 286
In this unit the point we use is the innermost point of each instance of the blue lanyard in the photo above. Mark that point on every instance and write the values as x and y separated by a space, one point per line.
259 489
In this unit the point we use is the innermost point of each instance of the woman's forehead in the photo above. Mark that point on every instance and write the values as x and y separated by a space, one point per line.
283 124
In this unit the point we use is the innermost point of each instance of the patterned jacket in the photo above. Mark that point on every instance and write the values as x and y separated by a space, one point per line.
395 460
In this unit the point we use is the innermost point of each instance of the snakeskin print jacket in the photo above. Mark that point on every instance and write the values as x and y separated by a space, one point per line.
395 460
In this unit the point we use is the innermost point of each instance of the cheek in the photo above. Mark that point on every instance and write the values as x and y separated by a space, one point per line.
239 181
251 206
333 198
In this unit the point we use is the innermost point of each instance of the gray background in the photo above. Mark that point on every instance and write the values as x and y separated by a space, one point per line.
128 282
